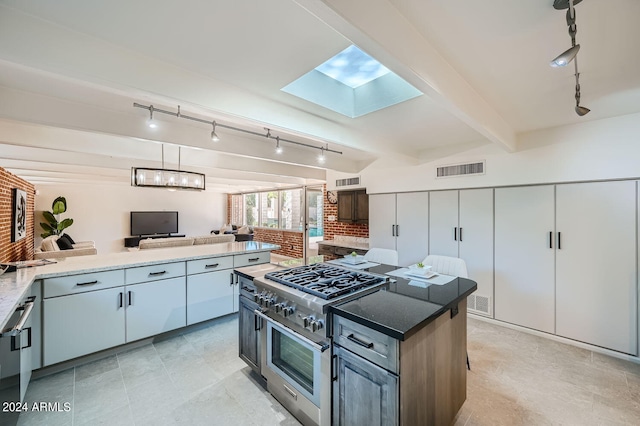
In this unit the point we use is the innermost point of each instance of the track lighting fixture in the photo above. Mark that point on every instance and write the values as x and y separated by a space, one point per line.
565 57
214 135
570 54
151 122
321 158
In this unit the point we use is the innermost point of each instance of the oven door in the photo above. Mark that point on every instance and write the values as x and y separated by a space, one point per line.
297 360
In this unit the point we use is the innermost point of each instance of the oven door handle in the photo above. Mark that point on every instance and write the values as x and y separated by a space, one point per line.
318 346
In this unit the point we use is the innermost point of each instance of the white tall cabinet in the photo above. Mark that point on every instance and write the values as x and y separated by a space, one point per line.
400 222
596 278
461 225
524 256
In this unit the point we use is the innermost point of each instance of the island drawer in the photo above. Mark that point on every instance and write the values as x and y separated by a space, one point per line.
247 259
370 344
80 283
154 272
209 264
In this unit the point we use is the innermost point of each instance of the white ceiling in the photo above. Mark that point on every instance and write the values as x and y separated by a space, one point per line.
70 71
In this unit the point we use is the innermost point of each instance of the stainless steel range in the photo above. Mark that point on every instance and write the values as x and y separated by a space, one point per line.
296 360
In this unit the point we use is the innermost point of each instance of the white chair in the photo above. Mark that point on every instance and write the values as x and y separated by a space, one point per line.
380 255
453 266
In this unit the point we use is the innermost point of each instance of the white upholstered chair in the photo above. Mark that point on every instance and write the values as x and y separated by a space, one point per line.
380 255
453 266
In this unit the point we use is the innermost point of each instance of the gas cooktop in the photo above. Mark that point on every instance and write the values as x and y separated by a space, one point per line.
324 281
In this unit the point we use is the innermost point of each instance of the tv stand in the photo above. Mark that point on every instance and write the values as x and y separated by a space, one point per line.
134 241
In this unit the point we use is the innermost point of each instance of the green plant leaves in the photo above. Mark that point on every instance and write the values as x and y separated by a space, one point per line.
59 205
49 217
65 224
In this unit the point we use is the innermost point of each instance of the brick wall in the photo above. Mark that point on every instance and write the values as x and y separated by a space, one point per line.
23 249
339 228
291 242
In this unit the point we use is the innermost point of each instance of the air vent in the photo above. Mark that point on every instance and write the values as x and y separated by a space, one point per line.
348 181
460 170
479 304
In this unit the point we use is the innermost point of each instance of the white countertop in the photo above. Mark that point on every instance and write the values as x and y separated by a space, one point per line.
14 285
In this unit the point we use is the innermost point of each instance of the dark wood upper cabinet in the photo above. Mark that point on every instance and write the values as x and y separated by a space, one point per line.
353 206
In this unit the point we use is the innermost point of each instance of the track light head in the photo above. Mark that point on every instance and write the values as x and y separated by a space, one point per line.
214 135
321 158
580 110
151 122
278 147
565 57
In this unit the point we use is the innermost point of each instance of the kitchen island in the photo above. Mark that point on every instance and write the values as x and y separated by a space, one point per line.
401 353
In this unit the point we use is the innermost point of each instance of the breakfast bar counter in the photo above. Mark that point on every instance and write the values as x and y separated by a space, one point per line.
404 306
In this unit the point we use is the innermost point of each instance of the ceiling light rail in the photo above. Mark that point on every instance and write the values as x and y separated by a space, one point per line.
214 136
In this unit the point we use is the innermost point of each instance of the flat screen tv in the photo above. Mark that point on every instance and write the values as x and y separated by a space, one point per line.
151 223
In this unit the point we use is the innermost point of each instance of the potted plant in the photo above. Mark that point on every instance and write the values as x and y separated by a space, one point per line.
53 225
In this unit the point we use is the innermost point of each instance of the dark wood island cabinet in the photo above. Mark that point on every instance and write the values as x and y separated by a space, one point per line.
400 355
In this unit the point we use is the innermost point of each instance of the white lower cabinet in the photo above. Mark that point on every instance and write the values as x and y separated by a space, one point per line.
82 323
210 295
155 307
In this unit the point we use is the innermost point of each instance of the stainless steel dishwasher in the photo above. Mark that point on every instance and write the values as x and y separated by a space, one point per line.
15 361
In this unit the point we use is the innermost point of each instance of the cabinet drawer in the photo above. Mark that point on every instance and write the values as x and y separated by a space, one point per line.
251 259
154 272
209 264
370 344
80 283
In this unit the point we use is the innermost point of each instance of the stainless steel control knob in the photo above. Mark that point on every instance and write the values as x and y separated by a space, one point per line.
316 325
287 310
306 321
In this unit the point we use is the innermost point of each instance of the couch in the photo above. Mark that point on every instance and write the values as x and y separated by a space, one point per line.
243 233
151 243
49 249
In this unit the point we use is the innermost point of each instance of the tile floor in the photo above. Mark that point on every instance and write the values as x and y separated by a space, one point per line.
196 378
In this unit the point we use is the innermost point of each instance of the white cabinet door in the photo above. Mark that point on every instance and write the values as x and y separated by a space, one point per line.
524 260
412 232
475 237
382 221
596 264
209 295
155 307
443 223
82 323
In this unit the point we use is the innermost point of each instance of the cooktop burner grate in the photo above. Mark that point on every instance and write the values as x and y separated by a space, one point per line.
323 280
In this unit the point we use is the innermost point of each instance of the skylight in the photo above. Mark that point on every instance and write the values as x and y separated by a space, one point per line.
352 83
353 67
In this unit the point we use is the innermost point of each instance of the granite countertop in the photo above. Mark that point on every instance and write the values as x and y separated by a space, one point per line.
14 285
403 307
346 244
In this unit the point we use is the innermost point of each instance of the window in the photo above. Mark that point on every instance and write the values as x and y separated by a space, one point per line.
291 210
269 209
251 209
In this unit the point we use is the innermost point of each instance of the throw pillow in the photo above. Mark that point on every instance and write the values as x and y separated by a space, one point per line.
64 243
243 230
49 243
225 228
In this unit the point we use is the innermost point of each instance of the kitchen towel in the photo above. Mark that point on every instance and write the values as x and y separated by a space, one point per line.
440 279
